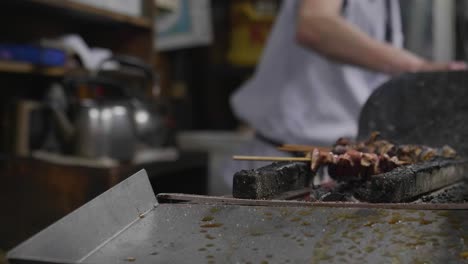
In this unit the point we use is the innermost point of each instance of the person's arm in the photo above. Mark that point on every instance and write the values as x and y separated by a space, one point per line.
321 28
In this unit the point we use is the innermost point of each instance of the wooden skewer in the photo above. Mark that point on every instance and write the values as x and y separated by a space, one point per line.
264 158
302 148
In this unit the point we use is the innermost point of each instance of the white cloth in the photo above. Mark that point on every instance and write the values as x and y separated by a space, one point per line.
296 96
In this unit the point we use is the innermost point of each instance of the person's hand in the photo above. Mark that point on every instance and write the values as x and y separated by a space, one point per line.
439 66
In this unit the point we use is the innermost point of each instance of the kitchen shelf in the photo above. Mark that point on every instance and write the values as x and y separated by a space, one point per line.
95 12
24 67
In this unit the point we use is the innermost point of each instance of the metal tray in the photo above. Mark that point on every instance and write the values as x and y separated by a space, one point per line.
127 225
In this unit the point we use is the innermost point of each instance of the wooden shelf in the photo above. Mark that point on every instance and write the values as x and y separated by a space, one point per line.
24 67
97 13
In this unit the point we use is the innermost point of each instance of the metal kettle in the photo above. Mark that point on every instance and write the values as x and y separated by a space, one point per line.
98 127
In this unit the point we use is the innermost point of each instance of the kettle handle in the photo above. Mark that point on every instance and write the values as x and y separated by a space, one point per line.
132 62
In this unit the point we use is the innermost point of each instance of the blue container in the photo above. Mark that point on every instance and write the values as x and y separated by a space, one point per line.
32 54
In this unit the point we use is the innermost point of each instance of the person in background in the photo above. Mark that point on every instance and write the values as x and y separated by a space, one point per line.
322 61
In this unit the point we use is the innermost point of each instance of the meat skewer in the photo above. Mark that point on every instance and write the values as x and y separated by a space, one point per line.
347 160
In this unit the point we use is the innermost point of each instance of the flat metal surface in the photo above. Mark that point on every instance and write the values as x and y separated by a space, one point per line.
127 225
74 237
197 233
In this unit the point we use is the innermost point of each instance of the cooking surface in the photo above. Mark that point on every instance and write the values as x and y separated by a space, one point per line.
228 234
127 224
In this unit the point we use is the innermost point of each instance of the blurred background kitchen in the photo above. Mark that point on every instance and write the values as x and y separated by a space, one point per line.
95 90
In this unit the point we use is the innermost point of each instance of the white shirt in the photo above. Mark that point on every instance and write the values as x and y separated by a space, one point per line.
299 97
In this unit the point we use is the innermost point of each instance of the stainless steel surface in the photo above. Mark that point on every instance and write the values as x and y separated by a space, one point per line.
74 237
110 230
105 130
241 234
149 124
101 129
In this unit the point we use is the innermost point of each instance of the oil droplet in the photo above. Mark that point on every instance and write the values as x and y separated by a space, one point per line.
213 225
207 218
304 213
130 259
443 213
209 245
210 257
256 233
296 219
208 236
369 249
214 210
425 221
305 224
286 235
154 253
370 223
202 249
394 220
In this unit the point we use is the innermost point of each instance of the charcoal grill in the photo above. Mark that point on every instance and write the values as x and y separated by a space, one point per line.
129 224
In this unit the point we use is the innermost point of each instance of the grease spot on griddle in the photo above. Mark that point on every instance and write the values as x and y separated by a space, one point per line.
370 224
256 233
212 225
369 249
423 221
207 218
215 210
130 259
208 236
304 212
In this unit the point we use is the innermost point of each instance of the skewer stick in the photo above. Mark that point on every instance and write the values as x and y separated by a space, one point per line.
265 158
302 148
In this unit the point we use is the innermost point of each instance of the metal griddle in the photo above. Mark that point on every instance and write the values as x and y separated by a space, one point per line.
128 225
